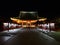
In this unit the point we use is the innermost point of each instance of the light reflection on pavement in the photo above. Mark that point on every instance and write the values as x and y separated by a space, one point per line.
32 37
28 36
6 35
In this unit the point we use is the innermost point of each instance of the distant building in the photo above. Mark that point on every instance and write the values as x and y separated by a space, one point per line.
26 18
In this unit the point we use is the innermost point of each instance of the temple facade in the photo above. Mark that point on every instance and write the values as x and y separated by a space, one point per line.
26 18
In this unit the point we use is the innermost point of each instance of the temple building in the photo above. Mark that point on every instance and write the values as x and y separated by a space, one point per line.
26 18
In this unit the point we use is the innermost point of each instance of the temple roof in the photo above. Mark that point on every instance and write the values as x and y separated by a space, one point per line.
24 15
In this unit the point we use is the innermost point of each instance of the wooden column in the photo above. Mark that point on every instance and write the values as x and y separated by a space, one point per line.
22 23
30 23
26 23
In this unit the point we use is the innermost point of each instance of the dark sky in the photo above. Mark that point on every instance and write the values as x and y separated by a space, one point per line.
44 8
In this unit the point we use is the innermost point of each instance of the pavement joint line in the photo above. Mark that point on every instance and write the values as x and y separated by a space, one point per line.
48 36
45 34
12 37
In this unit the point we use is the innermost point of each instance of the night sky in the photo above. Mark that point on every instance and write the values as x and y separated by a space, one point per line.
45 8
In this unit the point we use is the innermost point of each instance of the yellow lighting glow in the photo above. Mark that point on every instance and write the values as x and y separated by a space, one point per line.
13 19
43 19
24 21
32 25
24 25
27 12
28 22
33 20
18 21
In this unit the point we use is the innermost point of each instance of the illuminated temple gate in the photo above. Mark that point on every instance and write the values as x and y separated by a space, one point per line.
28 23
26 18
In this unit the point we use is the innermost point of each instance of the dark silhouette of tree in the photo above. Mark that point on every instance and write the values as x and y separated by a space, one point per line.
1 24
